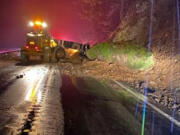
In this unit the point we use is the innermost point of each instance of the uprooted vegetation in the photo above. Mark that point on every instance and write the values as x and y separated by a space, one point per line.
128 54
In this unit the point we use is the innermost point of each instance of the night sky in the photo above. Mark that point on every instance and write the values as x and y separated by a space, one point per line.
73 20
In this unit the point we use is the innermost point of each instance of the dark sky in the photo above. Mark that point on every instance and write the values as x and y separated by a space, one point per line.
63 17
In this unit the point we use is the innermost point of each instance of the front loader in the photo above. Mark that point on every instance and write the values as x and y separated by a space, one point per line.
41 45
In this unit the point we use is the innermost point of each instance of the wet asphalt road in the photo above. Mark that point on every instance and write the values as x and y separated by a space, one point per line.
39 100
30 100
93 107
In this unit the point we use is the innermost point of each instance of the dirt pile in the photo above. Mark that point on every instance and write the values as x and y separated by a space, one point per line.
159 88
134 26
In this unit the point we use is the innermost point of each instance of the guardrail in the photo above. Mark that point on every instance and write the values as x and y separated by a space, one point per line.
9 51
10 54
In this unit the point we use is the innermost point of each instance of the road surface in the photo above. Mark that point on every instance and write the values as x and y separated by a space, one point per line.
95 108
30 100
40 100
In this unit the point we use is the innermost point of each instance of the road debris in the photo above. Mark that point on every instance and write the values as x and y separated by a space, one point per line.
19 76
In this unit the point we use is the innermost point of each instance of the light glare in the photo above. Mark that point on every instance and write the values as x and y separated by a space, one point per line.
31 24
44 25
38 23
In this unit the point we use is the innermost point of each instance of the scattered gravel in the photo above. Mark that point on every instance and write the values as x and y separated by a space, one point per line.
159 80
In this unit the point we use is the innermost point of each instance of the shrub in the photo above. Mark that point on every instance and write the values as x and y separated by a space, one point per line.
131 55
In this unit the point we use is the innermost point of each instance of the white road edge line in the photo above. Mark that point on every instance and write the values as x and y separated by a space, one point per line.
142 97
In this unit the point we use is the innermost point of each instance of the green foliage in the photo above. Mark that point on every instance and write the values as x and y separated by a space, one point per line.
131 55
105 50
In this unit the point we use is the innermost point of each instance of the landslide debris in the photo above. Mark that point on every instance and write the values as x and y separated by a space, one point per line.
159 89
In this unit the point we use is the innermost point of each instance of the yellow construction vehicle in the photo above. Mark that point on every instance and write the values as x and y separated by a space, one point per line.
40 44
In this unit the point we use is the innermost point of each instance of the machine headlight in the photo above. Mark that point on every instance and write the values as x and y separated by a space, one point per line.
44 25
31 24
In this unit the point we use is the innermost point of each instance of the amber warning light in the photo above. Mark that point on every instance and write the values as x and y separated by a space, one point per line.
38 24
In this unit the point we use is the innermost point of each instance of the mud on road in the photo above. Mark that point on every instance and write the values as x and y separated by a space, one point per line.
89 112
160 92
94 107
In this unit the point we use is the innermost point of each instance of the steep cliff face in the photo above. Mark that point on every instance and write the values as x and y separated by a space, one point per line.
135 22
135 27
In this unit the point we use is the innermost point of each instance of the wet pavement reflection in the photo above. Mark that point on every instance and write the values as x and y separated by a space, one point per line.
93 107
